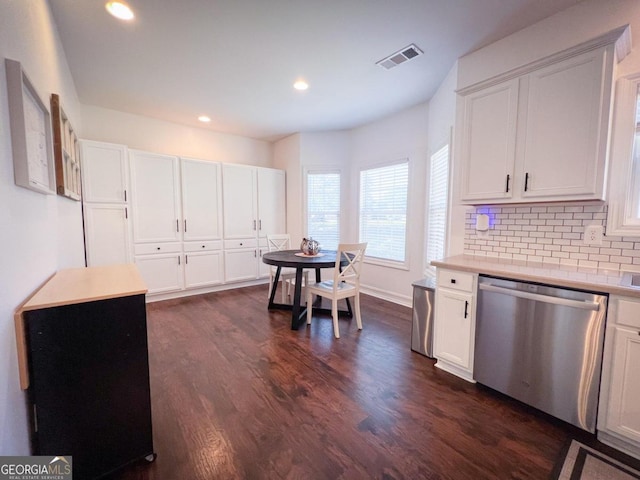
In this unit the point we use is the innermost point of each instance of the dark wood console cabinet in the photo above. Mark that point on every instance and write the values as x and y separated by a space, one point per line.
87 368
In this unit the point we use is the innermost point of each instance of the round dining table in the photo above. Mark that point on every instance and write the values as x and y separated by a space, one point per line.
296 259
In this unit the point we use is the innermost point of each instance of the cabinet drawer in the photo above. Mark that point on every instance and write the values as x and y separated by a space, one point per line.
628 312
202 246
241 243
456 280
146 248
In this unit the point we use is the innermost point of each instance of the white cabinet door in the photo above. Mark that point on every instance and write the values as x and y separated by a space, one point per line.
202 269
271 202
104 172
623 411
155 199
107 234
488 142
240 265
201 200
162 272
567 115
453 330
240 201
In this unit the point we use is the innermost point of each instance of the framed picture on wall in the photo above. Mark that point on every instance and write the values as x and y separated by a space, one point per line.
65 152
31 137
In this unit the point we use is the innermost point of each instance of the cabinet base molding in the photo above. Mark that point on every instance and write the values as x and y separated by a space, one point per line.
631 449
454 370
200 291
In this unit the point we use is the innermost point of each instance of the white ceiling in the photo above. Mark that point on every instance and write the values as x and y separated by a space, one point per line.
236 60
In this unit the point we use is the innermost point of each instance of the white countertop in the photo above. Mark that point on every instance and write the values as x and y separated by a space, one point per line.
605 281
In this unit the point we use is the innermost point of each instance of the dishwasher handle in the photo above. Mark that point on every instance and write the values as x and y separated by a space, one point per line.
594 306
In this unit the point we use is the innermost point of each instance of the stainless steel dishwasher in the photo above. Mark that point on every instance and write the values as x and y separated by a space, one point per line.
541 345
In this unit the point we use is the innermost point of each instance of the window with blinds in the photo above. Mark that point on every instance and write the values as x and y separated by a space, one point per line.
437 207
323 208
383 210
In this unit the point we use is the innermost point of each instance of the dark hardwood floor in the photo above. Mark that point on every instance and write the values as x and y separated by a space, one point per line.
237 394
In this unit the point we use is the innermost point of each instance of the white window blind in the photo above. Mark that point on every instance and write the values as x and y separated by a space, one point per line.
383 210
437 207
323 208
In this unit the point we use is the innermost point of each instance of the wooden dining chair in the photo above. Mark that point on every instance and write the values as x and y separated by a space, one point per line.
345 283
276 242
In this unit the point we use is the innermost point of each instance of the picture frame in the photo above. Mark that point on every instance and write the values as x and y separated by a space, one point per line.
31 136
66 152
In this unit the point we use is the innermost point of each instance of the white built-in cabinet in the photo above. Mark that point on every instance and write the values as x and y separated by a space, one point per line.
168 215
538 134
619 410
254 206
454 322
105 186
177 221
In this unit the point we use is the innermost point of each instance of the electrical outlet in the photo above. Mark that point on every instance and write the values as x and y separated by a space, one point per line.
593 235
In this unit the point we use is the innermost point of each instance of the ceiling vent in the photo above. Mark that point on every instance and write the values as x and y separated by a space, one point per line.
401 56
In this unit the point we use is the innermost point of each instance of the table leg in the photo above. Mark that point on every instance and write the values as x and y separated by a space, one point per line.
274 288
295 311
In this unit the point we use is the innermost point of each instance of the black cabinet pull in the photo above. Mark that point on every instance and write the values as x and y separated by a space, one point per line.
177 225
185 225
453 280
526 181
466 308
186 259
508 178
125 195
126 213
178 259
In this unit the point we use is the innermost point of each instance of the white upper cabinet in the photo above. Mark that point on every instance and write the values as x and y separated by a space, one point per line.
271 201
488 142
540 132
104 172
155 199
240 201
566 127
201 200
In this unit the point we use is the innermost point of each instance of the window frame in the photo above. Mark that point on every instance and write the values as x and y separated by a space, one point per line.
429 270
305 212
400 265
620 219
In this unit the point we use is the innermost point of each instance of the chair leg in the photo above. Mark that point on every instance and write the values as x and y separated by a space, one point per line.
309 307
357 311
334 315
270 286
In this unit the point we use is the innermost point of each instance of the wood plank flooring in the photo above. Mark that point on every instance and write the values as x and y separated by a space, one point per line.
236 394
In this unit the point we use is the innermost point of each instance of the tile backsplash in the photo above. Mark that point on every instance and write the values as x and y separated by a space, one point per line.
550 233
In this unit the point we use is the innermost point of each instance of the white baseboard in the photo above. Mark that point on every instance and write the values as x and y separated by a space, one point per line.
157 297
386 295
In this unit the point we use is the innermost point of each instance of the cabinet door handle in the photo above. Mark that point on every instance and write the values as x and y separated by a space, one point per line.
185 225
255 254
526 181
178 259
126 213
508 178
260 224
125 195
453 280
186 259
254 224
466 308
177 225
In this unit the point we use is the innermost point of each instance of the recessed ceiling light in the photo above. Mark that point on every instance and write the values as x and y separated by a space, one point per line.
300 85
119 10
204 118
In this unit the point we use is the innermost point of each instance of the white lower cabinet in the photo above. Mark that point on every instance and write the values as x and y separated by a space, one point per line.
619 413
240 265
203 264
161 272
454 322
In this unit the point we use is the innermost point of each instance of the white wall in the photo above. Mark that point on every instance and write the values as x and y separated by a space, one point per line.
577 24
403 135
160 136
286 156
41 233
